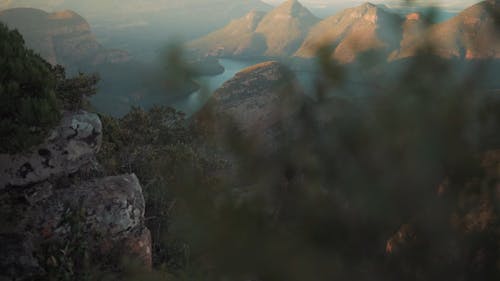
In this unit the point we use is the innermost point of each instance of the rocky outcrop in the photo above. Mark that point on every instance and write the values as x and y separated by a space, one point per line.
55 193
70 146
254 102
61 38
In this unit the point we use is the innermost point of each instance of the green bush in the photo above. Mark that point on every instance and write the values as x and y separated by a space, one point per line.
28 102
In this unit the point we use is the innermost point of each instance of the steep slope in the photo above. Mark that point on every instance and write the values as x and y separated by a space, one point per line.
413 35
255 101
61 37
238 38
285 27
354 31
472 34
277 33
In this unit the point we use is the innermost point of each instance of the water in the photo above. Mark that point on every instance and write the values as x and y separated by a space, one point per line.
136 85
209 84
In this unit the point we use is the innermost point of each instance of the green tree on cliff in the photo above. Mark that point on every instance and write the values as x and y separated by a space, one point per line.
28 102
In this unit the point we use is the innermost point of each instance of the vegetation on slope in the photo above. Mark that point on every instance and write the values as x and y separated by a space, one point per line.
28 103
33 93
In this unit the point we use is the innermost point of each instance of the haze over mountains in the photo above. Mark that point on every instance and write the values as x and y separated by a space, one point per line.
61 38
355 31
276 33
143 27
253 30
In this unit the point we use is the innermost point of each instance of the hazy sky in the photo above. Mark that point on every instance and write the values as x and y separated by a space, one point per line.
446 4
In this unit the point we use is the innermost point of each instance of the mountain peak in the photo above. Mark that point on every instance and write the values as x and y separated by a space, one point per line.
291 7
64 15
285 27
368 5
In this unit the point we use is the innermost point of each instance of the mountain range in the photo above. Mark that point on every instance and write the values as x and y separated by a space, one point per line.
276 33
295 32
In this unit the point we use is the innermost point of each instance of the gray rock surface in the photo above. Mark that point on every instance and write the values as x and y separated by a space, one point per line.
110 207
70 145
51 195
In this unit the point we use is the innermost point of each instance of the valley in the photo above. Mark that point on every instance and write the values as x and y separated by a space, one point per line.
128 53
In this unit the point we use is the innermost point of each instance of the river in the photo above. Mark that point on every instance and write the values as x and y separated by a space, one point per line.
209 84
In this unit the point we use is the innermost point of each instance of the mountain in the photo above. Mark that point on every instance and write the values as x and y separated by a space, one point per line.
61 37
254 102
285 27
238 38
354 31
275 34
472 34
151 21
413 31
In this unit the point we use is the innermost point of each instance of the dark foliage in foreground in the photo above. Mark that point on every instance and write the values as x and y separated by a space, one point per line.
399 185
33 93
28 103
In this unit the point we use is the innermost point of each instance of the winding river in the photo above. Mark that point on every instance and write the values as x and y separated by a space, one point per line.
209 84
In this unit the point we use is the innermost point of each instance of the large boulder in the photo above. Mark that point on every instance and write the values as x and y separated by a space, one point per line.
70 146
110 208
53 196
255 102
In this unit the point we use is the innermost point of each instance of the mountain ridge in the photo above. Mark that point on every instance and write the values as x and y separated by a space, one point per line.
367 28
277 33
472 34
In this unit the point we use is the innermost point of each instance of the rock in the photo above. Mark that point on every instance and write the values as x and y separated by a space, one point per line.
110 208
138 246
106 215
70 145
51 197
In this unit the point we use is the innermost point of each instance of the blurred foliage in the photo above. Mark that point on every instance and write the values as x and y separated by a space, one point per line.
397 179
401 184
160 148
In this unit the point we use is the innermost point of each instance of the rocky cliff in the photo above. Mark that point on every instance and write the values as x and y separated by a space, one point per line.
56 193
472 34
255 102
60 38
354 31
278 33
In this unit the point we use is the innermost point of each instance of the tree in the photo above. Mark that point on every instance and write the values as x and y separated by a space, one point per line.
28 102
